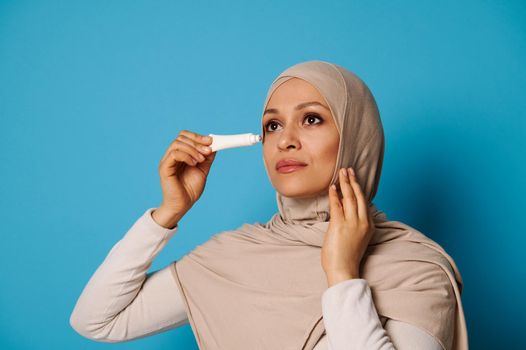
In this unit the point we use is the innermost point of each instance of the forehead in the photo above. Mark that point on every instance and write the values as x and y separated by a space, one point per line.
293 91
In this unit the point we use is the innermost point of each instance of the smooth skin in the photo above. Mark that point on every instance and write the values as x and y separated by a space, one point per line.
308 134
292 129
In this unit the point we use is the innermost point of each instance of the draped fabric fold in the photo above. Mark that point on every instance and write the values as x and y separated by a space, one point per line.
259 286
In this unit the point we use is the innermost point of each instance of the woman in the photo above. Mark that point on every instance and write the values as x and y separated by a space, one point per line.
328 271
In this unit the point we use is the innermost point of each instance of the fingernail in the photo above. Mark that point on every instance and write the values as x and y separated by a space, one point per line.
344 173
351 171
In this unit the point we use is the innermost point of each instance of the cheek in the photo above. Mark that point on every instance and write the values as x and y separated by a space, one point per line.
325 152
267 154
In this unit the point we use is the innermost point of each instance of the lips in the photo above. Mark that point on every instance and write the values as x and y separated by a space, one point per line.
289 162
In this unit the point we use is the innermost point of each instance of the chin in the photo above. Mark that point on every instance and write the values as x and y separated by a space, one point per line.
293 186
293 192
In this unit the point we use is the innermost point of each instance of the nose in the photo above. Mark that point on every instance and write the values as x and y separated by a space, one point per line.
289 138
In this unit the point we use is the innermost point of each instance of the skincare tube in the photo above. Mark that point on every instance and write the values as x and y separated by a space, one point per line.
230 141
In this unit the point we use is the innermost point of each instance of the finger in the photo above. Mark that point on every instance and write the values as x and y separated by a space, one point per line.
179 143
360 198
174 158
335 207
191 138
201 148
204 139
349 199
207 163
185 148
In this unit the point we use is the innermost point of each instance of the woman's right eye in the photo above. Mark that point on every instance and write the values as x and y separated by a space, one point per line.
270 123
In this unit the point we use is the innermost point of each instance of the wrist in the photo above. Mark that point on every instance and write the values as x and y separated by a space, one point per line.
165 217
340 276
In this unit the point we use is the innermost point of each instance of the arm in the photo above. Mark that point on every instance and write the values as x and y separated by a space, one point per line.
351 322
121 301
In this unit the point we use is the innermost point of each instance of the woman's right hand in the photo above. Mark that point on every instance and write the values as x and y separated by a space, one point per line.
183 171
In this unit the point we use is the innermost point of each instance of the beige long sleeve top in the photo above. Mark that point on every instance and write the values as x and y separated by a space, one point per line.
122 302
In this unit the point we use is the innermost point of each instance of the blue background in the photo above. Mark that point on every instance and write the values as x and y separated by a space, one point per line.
92 93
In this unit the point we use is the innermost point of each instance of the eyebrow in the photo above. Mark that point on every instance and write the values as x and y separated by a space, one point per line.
298 107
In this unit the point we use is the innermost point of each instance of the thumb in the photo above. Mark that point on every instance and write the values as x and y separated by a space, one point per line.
207 163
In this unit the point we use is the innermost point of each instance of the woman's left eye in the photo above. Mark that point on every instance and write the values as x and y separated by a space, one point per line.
313 116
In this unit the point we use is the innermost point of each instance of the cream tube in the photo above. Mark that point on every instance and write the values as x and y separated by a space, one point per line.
230 141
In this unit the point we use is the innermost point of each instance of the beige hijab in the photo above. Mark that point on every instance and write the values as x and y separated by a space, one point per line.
260 286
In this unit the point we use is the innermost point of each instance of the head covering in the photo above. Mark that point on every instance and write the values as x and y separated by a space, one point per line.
260 286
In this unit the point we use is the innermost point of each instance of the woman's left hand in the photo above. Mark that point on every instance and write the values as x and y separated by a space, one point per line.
350 230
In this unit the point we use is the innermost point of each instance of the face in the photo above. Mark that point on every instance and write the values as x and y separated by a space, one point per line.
298 125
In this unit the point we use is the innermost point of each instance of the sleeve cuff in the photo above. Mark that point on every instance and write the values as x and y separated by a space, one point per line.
152 225
354 286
